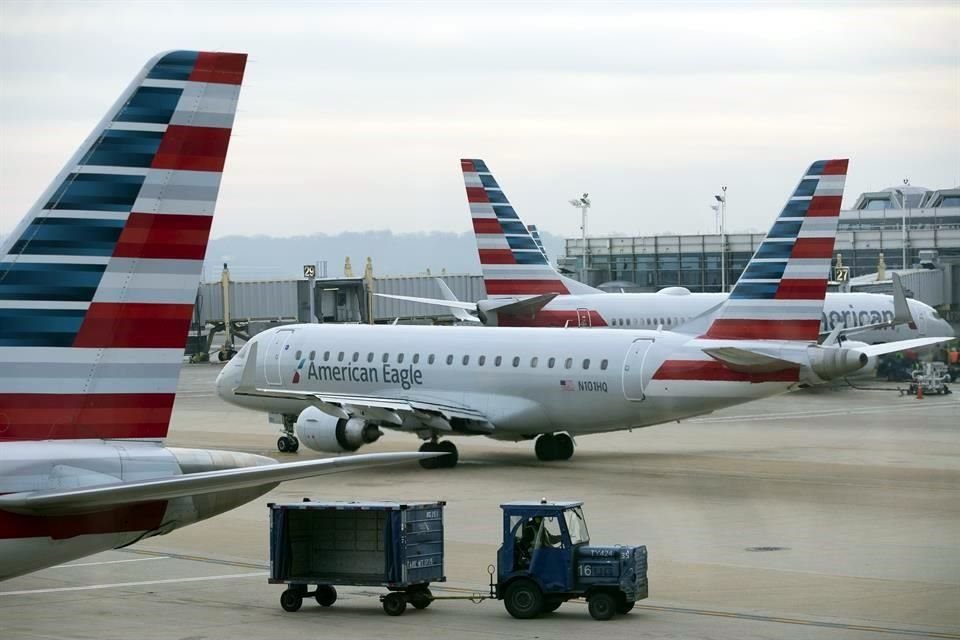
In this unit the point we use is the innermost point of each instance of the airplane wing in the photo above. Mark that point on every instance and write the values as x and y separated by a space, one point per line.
902 345
450 296
901 315
749 361
433 415
452 304
518 307
98 498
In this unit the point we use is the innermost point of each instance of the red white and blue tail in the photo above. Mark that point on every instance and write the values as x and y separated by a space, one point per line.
535 234
97 283
513 263
780 294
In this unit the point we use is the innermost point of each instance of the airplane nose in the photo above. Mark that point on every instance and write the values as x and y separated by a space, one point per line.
225 382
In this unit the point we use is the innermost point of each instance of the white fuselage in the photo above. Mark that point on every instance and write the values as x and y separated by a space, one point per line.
29 542
673 306
526 381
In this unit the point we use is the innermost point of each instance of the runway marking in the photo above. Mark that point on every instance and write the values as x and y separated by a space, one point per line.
944 635
140 583
806 623
92 564
892 408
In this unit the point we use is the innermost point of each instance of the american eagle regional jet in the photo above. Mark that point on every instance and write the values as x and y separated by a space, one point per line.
97 285
347 382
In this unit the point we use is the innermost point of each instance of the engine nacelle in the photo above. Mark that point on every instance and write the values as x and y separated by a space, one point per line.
830 363
869 370
322 432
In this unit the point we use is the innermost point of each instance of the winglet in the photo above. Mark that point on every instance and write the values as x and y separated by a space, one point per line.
901 310
447 294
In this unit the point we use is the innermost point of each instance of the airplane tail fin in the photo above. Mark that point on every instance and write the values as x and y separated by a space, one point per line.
512 262
535 234
780 294
98 281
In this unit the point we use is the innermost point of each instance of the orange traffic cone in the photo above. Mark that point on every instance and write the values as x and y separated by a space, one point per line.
919 391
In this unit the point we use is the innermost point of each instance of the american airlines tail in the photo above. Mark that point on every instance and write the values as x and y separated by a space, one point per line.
780 294
513 263
97 283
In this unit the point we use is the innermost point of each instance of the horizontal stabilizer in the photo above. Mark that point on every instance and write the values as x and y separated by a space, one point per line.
91 499
526 307
450 304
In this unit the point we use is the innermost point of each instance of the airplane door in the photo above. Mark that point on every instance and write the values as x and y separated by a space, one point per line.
272 360
583 317
635 378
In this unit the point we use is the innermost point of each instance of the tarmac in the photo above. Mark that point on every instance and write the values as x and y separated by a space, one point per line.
826 514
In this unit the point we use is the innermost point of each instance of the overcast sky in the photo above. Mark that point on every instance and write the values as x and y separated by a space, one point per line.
353 115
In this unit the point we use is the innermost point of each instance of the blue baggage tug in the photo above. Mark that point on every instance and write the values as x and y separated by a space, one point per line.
397 545
544 560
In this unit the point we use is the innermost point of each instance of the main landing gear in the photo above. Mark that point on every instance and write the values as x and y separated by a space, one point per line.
554 446
448 461
287 444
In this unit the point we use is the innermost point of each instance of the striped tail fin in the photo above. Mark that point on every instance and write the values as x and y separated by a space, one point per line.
780 294
512 262
97 283
535 234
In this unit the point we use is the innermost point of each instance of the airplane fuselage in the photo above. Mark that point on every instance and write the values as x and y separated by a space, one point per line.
674 306
32 542
526 381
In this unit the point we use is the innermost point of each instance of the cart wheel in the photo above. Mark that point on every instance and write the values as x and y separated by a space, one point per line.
291 600
601 605
420 598
394 604
326 595
523 599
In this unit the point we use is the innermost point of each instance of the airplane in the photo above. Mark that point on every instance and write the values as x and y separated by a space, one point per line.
523 289
97 286
344 383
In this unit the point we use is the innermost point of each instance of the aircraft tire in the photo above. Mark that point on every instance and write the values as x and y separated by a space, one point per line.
547 448
448 461
293 445
429 463
564 446
282 444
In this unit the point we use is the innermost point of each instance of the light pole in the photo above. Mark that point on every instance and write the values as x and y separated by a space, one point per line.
583 203
722 200
903 221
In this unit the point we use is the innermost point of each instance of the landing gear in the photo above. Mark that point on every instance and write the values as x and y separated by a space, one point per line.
554 446
448 461
287 444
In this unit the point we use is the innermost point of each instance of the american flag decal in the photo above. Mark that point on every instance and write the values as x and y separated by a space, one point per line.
567 385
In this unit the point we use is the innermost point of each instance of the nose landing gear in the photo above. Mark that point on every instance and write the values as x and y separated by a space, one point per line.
448 461
554 446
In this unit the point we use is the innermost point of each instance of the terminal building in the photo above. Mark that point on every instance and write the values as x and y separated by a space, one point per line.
881 223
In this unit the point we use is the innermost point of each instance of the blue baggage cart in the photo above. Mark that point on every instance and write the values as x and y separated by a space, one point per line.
396 545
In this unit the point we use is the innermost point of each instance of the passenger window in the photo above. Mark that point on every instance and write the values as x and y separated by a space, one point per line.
533 362
628 322
356 356
297 355
370 357
399 358
568 363
586 363
603 365
326 356
313 356
416 358
516 361
449 359
497 361
431 359
482 360
386 357
551 362
466 360
340 357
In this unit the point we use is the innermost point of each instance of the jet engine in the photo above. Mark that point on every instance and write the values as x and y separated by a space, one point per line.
322 432
869 370
836 362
